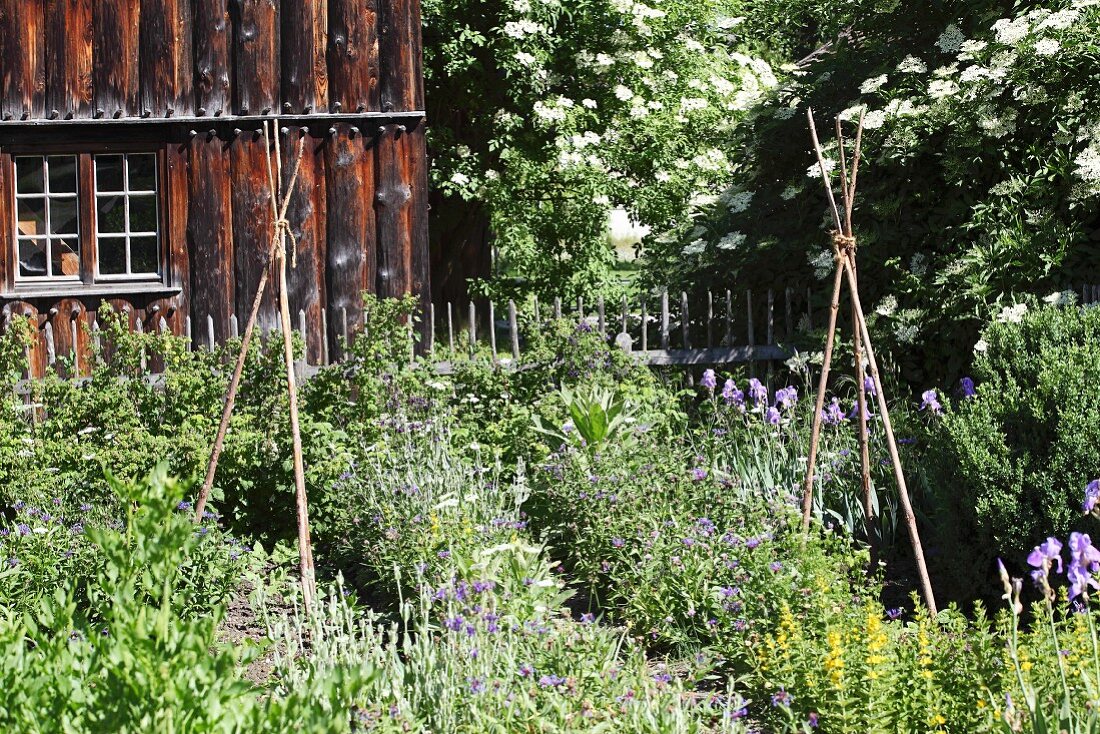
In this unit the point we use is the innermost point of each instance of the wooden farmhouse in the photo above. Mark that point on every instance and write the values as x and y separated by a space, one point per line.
132 164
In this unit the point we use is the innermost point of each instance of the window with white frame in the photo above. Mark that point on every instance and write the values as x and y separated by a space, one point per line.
119 196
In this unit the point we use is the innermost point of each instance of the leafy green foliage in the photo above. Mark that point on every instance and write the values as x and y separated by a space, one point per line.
1012 461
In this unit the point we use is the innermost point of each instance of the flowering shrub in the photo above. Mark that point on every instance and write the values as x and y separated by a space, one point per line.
1011 459
980 181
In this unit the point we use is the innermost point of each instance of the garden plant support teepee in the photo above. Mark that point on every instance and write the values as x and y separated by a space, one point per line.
277 256
844 253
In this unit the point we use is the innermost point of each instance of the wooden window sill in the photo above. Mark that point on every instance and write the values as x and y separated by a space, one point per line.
99 290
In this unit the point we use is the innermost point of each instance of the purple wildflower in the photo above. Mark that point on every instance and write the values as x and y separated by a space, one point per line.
550 681
698 474
966 388
1084 562
895 613
833 414
183 505
1092 496
930 401
454 624
23 528
811 720
526 671
1043 556
476 685
732 395
757 392
869 386
588 618
710 380
781 698
772 417
617 542
786 397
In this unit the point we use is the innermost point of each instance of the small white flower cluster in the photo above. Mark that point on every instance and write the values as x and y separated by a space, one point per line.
912 65
951 40
698 247
1061 20
522 28
1012 314
1010 31
731 241
873 84
1059 299
822 263
887 306
737 201
942 88
1088 164
918 265
814 171
906 333
1047 47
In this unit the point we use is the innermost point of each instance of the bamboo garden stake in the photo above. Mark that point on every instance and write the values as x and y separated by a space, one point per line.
844 252
276 255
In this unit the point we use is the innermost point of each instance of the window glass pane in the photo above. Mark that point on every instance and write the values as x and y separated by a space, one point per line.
62 174
112 215
143 171
32 216
28 172
63 216
112 255
32 258
66 257
143 214
108 173
143 255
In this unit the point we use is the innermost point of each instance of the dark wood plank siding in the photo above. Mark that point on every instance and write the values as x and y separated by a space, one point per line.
305 73
415 157
353 55
69 58
7 215
167 62
256 55
212 40
392 202
352 230
252 227
210 237
179 263
399 44
116 53
306 214
23 32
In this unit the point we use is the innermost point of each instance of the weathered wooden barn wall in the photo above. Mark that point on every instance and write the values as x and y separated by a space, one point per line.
195 79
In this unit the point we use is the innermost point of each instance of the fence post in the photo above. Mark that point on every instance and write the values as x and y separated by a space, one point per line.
710 319
513 329
685 320
645 324
600 317
664 319
450 328
473 327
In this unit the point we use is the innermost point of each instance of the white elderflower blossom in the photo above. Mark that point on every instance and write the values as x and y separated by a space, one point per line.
690 104
739 202
521 28
951 40
790 192
525 58
589 103
814 171
624 93
642 60
548 113
822 263
852 113
918 265
1088 164
940 88
906 333
887 306
912 65
1009 31
902 107
1047 47
731 241
874 119
1012 314
698 247
1059 299
873 84
973 73
981 346
460 179
969 49
1061 20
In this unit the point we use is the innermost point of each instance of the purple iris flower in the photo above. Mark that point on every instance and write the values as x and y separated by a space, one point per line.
930 401
710 380
1092 496
869 386
732 395
1043 556
966 388
895 613
772 417
1084 562
786 397
833 414
757 392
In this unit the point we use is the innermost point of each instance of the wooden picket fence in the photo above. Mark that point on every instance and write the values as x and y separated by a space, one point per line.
660 329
